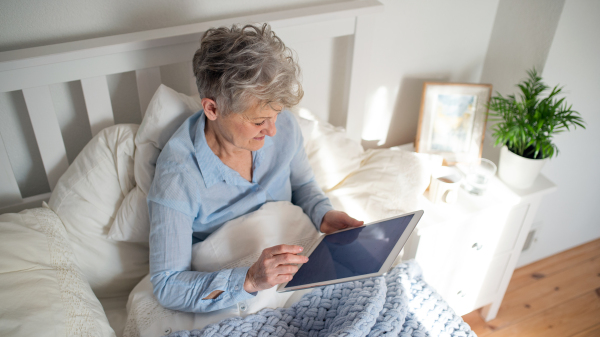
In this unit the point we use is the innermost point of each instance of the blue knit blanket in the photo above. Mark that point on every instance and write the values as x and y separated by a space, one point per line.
398 304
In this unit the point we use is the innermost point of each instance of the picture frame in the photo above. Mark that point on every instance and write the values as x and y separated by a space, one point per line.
452 120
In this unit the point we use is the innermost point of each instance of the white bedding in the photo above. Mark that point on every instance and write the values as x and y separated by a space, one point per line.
43 291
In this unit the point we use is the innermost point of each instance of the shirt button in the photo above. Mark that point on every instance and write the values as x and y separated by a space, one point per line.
243 306
237 288
167 331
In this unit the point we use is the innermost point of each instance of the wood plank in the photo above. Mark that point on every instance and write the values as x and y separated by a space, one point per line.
9 189
593 331
97 103
477 324
548 292
47 132
529 274
565 319
148 80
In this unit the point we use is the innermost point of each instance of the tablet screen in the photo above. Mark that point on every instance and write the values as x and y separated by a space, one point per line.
351 253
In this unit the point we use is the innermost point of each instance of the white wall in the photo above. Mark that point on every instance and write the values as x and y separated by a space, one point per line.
417 41
570 217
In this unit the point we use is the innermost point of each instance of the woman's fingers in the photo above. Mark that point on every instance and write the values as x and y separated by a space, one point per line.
276 265
286 269
284 249
283 259
350 221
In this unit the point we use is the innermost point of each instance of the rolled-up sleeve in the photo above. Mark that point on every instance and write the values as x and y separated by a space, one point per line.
306 193
176 286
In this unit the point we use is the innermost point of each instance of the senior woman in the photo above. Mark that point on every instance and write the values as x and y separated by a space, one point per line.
241 151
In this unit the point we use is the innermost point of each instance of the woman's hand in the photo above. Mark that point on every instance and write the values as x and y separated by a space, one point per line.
336 220
274 266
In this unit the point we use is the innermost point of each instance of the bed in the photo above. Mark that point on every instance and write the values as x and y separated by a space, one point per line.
75 259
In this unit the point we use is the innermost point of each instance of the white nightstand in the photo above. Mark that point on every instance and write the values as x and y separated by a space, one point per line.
468 250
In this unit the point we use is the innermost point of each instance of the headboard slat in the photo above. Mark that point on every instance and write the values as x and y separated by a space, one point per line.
97 103
9 189
359 76
47 132
148 80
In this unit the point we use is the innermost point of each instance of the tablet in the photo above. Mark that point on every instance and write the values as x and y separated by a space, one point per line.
354 253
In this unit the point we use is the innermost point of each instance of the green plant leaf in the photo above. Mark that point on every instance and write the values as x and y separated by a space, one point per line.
532 119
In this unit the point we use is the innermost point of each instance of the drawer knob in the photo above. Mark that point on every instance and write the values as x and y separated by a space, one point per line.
477 246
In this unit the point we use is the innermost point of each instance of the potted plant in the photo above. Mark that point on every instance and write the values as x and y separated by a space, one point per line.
525 129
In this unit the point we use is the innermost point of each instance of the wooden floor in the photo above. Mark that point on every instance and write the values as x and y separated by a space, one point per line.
557 296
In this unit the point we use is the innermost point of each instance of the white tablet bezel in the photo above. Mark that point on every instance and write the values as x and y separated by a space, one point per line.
384 268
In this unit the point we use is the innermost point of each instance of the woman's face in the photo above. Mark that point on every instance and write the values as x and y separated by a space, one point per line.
247 130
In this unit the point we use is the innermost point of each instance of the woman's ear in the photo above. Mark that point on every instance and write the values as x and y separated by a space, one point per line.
210 108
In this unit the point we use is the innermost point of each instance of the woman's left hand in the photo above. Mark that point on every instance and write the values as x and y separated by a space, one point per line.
336 220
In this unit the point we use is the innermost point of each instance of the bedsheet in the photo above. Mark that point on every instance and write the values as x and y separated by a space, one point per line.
398 304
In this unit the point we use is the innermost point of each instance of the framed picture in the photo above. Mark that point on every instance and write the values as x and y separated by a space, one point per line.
452 120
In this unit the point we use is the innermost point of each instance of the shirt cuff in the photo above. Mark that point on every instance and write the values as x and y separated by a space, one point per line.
319 212
236 284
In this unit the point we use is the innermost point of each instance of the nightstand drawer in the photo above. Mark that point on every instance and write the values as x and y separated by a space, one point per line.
476 285
478 238
493 232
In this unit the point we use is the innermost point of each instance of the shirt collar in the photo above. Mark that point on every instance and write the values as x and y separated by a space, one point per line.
211 167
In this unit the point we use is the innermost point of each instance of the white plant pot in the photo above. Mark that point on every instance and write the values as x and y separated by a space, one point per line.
518 172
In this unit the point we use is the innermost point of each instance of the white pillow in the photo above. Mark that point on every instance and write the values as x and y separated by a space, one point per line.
43 291
389 182
166 112
237 243
86 199
307 128
331 154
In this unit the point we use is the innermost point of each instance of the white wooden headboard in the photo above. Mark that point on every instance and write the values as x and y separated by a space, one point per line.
33 70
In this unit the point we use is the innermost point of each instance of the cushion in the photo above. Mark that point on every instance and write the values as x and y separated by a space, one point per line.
331 154
237 243
166 112
44 292
388 182
87 197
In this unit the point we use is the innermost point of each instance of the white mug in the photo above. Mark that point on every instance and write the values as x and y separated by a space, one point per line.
445 182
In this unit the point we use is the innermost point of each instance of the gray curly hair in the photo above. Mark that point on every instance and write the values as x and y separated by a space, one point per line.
234 66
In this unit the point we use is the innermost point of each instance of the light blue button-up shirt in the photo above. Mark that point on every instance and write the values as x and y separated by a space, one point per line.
193 194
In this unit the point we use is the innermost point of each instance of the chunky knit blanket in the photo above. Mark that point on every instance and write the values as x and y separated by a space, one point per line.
398 304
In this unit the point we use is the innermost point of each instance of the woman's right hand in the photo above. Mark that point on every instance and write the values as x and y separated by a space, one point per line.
274 266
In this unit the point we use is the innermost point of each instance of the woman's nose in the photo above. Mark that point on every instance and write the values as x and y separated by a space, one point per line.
270 129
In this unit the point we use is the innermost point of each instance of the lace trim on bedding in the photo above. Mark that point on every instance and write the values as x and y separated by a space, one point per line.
143 314
78 316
